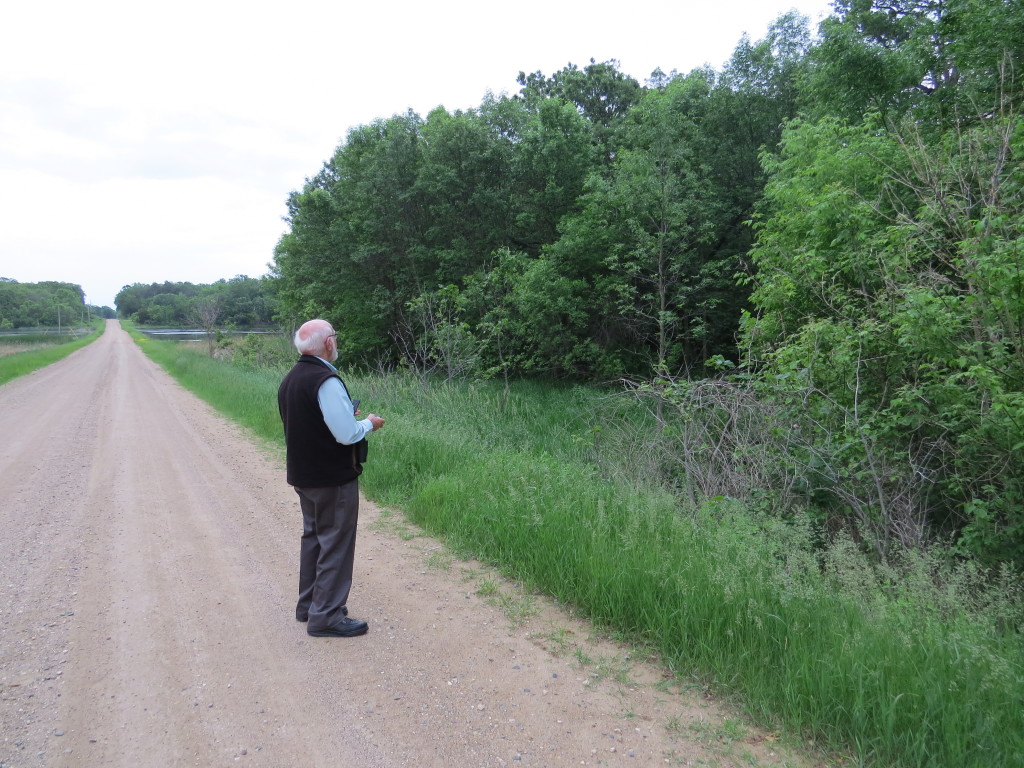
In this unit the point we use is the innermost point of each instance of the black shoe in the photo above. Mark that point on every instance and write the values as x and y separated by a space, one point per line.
344 612
345 628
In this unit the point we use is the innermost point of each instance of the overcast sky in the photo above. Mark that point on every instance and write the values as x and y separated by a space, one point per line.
143 142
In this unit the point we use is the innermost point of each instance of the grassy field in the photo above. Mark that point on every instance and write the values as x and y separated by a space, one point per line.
921 665
23 354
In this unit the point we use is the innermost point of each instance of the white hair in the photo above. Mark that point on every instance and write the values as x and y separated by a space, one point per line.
311 338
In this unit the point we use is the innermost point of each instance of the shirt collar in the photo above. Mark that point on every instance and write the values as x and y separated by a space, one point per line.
326 363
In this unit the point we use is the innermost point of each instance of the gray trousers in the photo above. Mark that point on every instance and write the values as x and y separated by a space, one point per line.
327 552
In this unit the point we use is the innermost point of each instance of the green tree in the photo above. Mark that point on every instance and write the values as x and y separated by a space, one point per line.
302 258
553 156
602 94
950 57
465 183
356 253
661 232
610 213
34 305
245 301
889 293
661 212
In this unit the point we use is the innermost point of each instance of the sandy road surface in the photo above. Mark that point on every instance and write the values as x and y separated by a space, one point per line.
148 556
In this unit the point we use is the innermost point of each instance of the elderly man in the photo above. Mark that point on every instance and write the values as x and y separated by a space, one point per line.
325 445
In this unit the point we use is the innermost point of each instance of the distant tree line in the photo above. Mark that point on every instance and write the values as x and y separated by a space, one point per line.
241 302
834 221
45 304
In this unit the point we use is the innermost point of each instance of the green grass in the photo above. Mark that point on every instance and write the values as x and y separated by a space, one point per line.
925 668
44 350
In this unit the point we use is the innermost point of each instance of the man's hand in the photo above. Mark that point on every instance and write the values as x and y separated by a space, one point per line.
376 420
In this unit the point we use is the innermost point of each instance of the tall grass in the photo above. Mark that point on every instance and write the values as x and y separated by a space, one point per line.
920 665
44 350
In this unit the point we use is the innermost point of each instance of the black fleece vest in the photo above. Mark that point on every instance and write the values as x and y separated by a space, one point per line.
314 458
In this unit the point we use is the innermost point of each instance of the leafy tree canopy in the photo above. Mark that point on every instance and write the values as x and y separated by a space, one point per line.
242 302
44 304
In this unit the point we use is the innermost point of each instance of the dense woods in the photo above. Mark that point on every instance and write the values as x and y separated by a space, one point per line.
825 234
241 302
44 305
586 227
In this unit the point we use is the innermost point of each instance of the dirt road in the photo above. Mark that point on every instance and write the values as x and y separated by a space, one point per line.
148 556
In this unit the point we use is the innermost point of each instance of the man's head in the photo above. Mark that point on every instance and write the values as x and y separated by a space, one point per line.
317 337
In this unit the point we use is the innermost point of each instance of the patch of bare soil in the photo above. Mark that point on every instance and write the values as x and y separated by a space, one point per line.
147 585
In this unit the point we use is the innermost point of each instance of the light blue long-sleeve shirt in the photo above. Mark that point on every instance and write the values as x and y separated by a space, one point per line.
338 411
